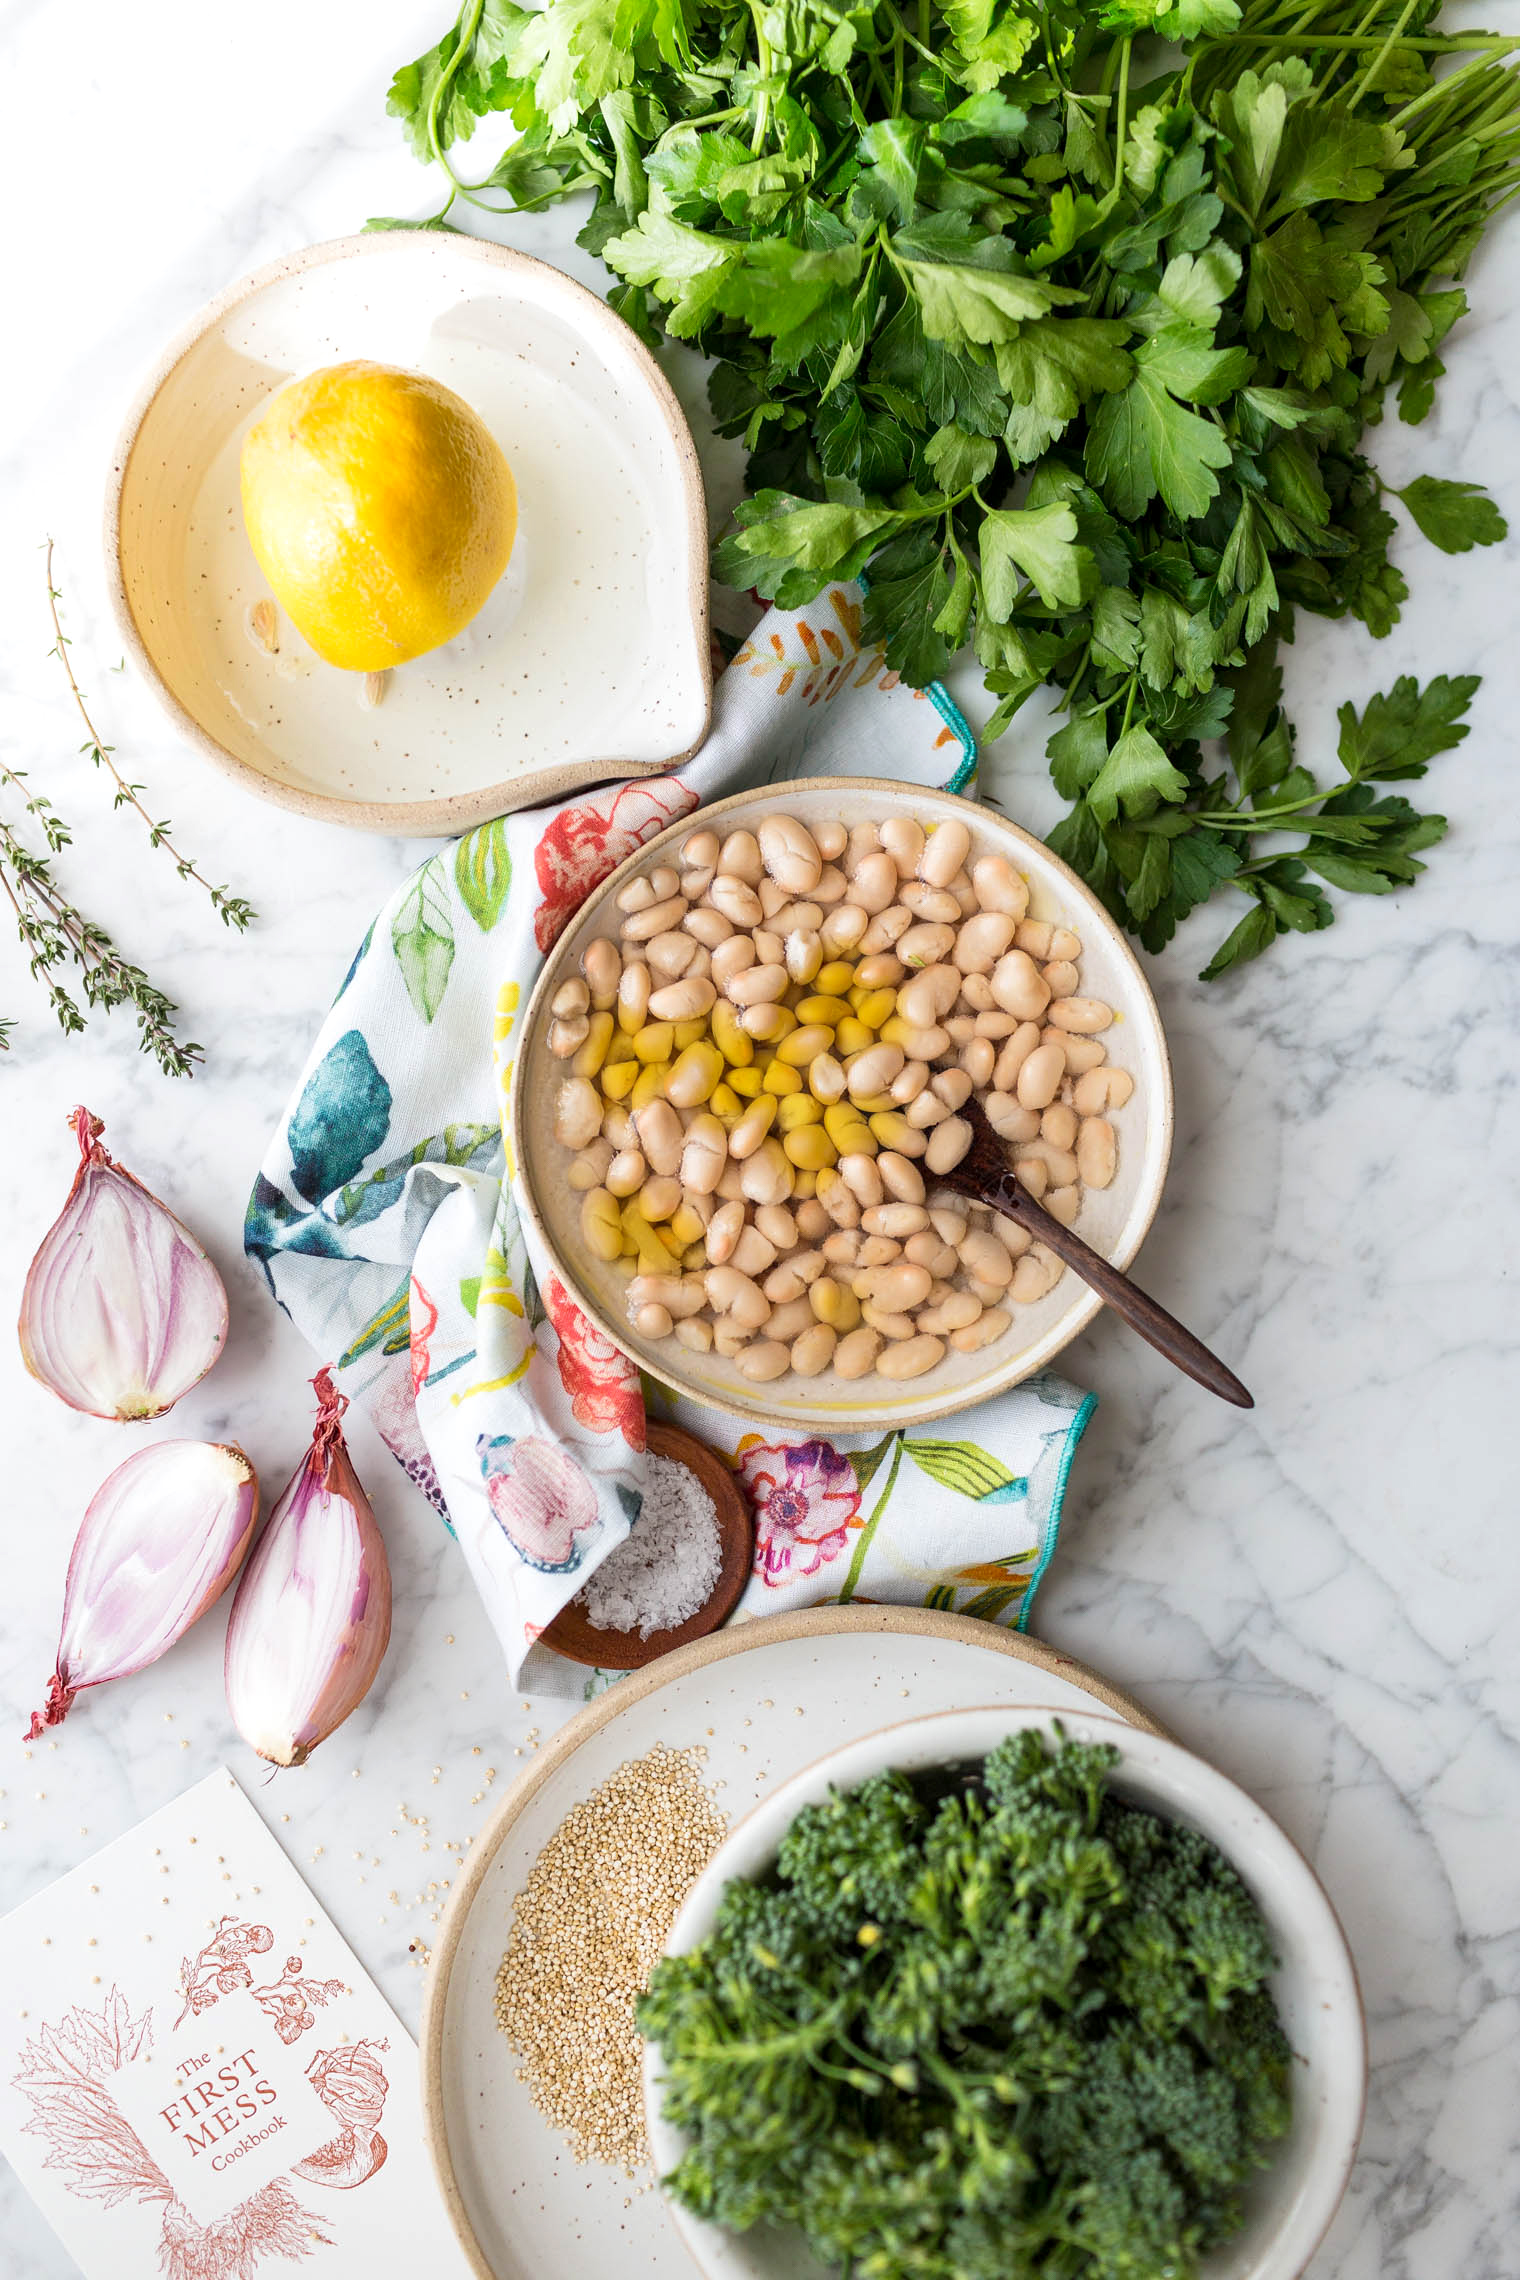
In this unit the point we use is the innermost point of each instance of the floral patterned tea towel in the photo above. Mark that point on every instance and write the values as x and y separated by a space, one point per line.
385 1220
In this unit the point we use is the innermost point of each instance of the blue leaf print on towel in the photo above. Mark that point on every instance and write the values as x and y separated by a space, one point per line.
341 1118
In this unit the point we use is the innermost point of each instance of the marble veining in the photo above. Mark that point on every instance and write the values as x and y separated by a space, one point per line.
1322 1596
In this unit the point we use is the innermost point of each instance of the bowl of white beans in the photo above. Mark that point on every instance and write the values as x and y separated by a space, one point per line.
739 1086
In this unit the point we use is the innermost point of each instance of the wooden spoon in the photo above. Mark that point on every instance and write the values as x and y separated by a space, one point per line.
984 1174
574 1635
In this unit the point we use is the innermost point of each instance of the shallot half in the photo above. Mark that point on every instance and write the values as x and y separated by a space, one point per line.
312 1616
122 1311
160 1540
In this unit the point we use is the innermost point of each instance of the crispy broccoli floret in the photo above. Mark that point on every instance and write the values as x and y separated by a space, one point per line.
1013 2030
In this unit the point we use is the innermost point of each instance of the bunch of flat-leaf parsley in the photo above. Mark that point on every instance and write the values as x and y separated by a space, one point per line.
1020 2029
1067 339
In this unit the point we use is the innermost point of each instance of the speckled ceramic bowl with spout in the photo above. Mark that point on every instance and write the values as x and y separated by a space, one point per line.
590 660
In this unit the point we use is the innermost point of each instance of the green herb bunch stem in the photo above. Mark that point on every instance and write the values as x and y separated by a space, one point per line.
1063 323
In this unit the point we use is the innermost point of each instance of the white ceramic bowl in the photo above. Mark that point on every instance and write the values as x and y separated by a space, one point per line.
1113 1220
1289 2205
590 659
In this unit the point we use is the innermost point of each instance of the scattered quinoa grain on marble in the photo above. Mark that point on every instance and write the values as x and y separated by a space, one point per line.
587 1928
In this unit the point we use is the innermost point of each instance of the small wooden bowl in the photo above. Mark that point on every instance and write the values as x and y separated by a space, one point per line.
572 1633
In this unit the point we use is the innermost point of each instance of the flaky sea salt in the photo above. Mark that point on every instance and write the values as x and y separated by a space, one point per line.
666 1567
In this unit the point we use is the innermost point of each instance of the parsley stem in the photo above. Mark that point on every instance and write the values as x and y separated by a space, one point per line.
1121 115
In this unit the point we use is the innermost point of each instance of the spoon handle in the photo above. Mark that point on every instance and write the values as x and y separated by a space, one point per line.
1160 1329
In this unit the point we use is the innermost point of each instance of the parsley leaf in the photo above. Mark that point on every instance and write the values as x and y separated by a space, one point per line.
1454 516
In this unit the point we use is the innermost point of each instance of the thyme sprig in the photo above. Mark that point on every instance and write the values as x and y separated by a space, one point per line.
55 934
234 911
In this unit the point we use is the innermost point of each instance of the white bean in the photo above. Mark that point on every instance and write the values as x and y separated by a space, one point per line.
626 1173
1084 1053
1100 1089
861 1177
934 903
764 1361
814 1350
757 985
843 927
895 1219
1033 1176
753 1255
983 1331
978 1059
789 1320
927 996
695 1336
1097 1151
1058 1125
704 1154
1019 986
831 839
855 1355
1083 1016
926 945
873 884
914 1355
998 886
633 994
567 1036
790 853
982 1255
1034 937
655 918
872 1070
738 1296
1039 1079
662 1136
683 1000
736 899
945 851
982 941
590 1167
886 930
708 926
739 857
768 1176
672 955
948 1143
602 963
1036 1274
653 1322
577 1112
956 1311
899 1177
1064 1203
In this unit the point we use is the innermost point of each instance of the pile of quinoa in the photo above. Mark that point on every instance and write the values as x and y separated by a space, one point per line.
587 1929
666 1566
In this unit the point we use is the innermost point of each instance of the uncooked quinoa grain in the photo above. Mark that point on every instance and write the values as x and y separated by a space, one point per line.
587 1929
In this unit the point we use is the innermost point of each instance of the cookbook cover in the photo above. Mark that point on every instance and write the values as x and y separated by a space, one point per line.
197 2079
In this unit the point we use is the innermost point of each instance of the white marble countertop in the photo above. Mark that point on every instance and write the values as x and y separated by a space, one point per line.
1317 1595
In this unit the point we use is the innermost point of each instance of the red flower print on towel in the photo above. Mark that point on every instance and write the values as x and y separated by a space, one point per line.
586 842
602 1383
806 1500
423 1321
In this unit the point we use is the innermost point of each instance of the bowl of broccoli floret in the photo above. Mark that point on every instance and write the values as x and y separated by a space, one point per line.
993 1995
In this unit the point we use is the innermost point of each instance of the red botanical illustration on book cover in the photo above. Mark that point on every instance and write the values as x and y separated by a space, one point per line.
65 2074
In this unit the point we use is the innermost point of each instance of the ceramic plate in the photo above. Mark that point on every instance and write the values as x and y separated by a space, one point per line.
1114 1220
766 1700
589 660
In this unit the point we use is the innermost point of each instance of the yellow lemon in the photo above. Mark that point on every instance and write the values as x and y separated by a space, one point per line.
381 510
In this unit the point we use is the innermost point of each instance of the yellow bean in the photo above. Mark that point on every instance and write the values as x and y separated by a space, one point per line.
601 1224
895 1132
822 1008
724 1101
798 1109
804 1186
875 1007
810 1149
618 1079
687 1228
745 1082
649 1085
804 1045
594 1046
833 1304
781 1079
655 1041
731 1041
834 978
694 1075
